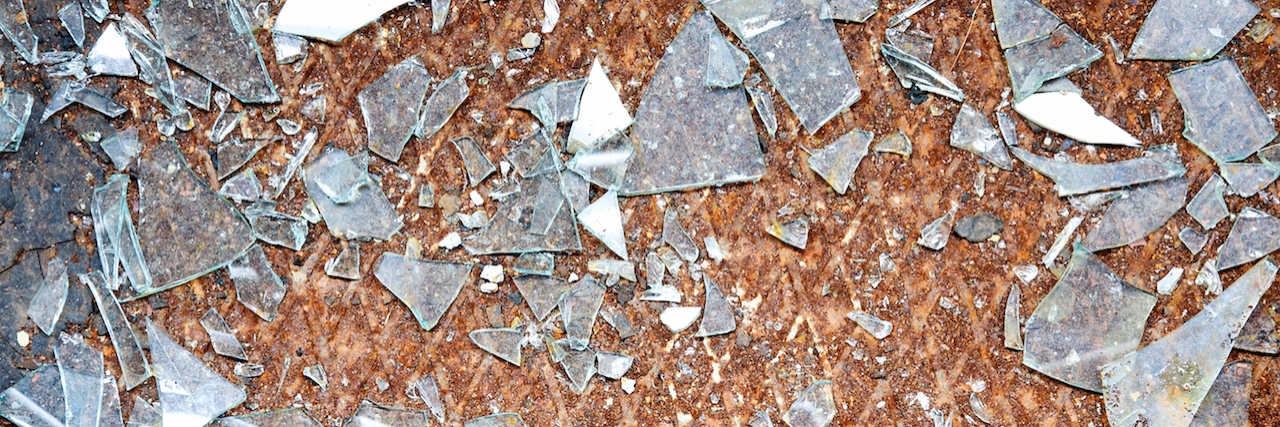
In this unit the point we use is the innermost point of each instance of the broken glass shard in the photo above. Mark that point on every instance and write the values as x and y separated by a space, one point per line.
426 196
908 12
726 65
880 329
190 392
243 187
1208 207
764 108
222 336
347 264
662 293
579 366
133 363
15 23
974 133
476 163
71 91
717 318
1047 58
1013 319
81 368
234 153
1192 239
122 147
794 232
439 15
1008 129
896 143
1254 235
1169 282
1166 382
691 136
96 9
279 181
227 55
226 122
504 419
1246 179
276 228
46 305
249 370
799 50
144 414
195 90
437 109
760 419
606 163
1076 178
837 162
713 249
533 220
257 285
578 308
620 322
1209 279
374 415
504 343
427 287
1021 21
623 269
613 365
677 319
1259 334
72 17
603 219
1090 318
1181 30
539 264
390 106
1227 403
430 394
15 111
1221 113
317 375
36 400
153 66
342 181
289 48
916 72
315 109
1069 114
292 417
109 415
368 215
935 234
676 236
814 407
186 229
534 155
601 113
853 10
329 21
1144 210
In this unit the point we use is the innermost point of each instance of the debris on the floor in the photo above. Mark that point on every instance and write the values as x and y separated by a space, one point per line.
613 365
1208 206
371 414
717 315
243 187
1072 178
133 363
346 265
763 103
1037 61
368 215
221 336
896 143
980 227
504 419
329 22
1209 279
601 113
1247 179
1180 30
1013 319
317 374
793 232
1069 114
427 287
440 106
47 303
429 392
814 407
274 227
1144 210
936 233
1254 235
974 133
297 417
1021 21
191 393
503 343
1259 334
249 370
837 162
1227 403
1193 240
578 308
603 219
579 366
1167 284
878 328
623 269
915 73
1225 134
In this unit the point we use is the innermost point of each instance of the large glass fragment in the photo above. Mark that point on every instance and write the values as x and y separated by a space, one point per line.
153 67
578 309
1246 179
1254 235
197 91
726 65
1069 114
477 164
1033 63
71 91
374 415
606 163
799 50
46 305
1227 403
221 335
1259 334
601 113
837 162
14 23
1021 21
275 227
814 407
257 285
603 219
390 106
1208 207
536 219
133 363
542 293
1076 178
1090 318
341 182
35 400
793 232
534 155
81 369
1190 30
579 366
227 54
1013 319
347 264
330 21
503 343
292 417
1144 210
109 415
190 392
186 229
620 322
1192 239
1165 383
368 215
427 287
96 9
717 315
1221 114
915 72
974 133
612 365
503 419
72 17
438 108
122 147
144 414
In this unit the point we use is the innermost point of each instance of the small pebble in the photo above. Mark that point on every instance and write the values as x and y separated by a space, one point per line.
24 339
628 385
531 40
451 241
488 287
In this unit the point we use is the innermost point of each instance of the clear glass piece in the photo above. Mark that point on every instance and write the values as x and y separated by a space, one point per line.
36 400
601 113
837 162
578 308
46 306
427 287
243 187
503 419
1013 319
1160 163
1246 179
390 106
974 133
133 362
542 293
291 417
1254 235
814 407
438 108
347 264
1147 208
503 343
717 315
533 220
222 336
1021 21
539 264
794 232
1208 207
613 365
190 392
257 285
603 219
368 215
1220 112
878 328
1033 63
579 366
81 368
1181 30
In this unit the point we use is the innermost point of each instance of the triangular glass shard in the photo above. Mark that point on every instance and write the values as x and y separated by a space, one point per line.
536 219
1192 239
190 392
374 415
601 113
799 50
1221 113
726 65
153 67
35 400
837 162
226 122
717 315
328 21
234 153
276 228
1147 208
144 414
535 263
1090 318
317 375
289 48
390 106
620 322
504 419
15 112
474 160
430 394
368 215
1165 383
542 293
794 232
243 187
347 264
1259 334
257 285
46 305
222 336
122 147
114 231
1254 235
613 365
540 101
896 143
133 362
676 236
504 343
1180 30
110 413
292 417
437 109
1013 319
227 54
81 368
914 72
197 91
853 10
1227 403
814 407
911 42
877 327
1069 114
937 233
569 99
1021 21
96 9
1077 178
603 219
579 366
341 182
186 229
1246 179
578 308
427 287
1060 84
622 269
687 135
72 17
1047 58
15 24
606 163
71 91
1208 206
764 108
974 133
